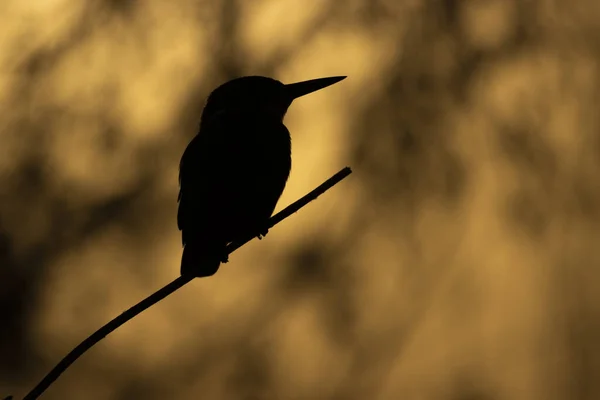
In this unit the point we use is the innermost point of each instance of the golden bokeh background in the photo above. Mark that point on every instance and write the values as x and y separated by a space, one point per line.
459 261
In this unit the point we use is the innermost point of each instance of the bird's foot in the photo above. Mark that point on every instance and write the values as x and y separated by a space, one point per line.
224 258
263 232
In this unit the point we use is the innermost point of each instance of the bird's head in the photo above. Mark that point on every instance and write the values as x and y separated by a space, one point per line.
260 95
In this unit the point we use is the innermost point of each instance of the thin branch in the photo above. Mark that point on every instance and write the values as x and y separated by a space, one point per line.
168 289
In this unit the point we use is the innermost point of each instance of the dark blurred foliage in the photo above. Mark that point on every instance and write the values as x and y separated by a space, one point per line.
445 63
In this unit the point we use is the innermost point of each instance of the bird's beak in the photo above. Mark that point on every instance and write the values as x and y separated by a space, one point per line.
299 89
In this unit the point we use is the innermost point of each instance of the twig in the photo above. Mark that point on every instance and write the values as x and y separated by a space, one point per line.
168 289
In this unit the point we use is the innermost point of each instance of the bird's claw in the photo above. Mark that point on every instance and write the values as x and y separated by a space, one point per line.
262 233
225 258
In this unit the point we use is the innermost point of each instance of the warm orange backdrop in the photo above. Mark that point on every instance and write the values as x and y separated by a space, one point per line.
459 261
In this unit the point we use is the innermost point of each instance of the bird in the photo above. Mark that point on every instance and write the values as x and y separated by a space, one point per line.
234 170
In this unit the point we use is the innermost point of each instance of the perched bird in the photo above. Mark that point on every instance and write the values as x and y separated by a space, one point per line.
234 170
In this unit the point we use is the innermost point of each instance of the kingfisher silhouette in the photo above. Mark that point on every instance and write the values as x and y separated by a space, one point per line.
234 170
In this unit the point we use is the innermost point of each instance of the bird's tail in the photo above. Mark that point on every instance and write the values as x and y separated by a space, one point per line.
201 259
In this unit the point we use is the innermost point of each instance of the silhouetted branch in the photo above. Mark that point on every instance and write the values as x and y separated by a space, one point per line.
170 288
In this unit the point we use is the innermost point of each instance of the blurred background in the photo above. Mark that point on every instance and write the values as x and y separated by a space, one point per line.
459 261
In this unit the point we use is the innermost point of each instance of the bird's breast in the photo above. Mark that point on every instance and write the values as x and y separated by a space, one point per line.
268 142
251 144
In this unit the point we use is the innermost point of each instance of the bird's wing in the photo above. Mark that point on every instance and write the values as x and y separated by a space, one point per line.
231 173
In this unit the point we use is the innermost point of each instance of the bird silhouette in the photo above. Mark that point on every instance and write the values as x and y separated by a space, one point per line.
234 170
